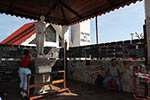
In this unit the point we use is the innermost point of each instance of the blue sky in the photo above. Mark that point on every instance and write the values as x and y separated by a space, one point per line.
117 25
114 26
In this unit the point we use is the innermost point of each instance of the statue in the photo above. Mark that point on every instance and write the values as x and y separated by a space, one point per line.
40 27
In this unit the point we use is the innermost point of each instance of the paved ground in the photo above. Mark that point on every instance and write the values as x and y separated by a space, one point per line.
79 91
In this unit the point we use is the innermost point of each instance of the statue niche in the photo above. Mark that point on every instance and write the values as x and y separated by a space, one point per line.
50 35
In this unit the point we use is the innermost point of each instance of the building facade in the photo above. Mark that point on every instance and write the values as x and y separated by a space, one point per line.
80 34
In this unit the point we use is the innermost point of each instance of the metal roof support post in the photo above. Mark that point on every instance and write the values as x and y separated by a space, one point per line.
96 31
97 37
147 31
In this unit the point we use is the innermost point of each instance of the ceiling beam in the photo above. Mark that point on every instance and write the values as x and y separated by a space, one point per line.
51 9
70 9
63 13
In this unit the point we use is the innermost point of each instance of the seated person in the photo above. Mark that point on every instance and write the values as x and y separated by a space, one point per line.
115 73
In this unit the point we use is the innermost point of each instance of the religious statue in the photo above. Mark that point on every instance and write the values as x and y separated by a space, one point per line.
40 27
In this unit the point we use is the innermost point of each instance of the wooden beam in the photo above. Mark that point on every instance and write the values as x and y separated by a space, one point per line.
57 81
49 93
50 5
70 9
38 74
65 65
46 83
51 9
63 13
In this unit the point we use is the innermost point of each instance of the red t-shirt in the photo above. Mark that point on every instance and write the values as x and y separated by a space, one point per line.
25 62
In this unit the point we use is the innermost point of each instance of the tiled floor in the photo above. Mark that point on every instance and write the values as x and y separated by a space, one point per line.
79 91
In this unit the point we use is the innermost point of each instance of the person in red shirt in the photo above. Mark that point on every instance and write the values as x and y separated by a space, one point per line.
24 71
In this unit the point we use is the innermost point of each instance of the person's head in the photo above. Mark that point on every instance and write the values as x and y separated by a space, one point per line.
42 18
26 52
113 61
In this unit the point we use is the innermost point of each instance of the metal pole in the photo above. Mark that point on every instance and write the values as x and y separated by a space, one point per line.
97 38
96 31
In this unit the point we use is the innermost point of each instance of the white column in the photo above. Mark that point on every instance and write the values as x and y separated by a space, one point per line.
147 16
